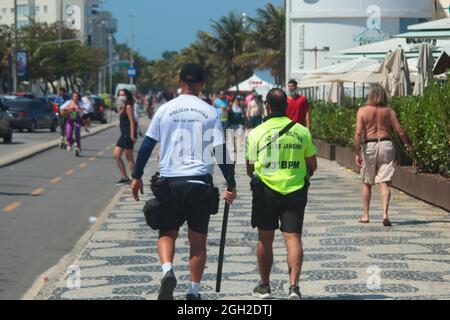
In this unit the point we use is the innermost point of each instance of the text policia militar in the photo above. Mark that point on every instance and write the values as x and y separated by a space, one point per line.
226 310
188 148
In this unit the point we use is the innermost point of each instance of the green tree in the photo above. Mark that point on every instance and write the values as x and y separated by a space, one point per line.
229 40
6 42
164 72
50 61
268 45
199 52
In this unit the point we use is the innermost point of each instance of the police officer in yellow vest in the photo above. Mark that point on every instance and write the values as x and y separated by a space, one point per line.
281 158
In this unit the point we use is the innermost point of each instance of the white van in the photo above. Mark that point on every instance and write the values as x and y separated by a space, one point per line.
129 87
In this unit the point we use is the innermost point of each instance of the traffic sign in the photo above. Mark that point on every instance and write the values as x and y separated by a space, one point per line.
132 72
124 64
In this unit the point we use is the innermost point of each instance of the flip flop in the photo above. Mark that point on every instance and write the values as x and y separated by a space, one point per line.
387 223
360 220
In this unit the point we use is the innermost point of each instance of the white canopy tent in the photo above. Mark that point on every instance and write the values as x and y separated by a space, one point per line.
378 50
359 64
252 83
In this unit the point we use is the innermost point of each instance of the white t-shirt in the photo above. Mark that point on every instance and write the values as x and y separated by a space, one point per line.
136 110
188 129
87 105
67 104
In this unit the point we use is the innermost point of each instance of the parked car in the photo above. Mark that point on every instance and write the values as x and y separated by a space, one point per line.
27 95
99 109
6 130
31 115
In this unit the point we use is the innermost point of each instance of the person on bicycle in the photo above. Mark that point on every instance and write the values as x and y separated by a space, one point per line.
60 100
74 122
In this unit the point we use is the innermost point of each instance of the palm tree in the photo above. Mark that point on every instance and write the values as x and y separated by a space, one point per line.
229 41
199 52
268 42
164 72
6 36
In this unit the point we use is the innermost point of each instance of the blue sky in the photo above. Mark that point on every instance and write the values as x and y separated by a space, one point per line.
162 25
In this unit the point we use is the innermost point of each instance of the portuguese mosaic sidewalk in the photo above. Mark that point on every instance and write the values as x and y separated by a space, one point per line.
343 259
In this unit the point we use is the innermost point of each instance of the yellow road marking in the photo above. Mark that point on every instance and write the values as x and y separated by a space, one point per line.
37 191
56 180
92 158
12 207
70 172
83 165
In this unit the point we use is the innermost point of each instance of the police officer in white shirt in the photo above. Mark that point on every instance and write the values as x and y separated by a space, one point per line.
191 136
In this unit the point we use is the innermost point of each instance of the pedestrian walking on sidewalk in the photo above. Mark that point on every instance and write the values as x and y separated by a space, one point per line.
221 104
88 112
128 135
138 106
281 158
236 121
298 107
187 128
254 112
74 122
60 101
375 153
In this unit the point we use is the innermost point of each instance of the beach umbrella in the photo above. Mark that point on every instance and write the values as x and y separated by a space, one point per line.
337 93
386 81
398 71
425 66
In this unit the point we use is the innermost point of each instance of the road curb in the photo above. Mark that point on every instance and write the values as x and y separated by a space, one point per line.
28 153
45 282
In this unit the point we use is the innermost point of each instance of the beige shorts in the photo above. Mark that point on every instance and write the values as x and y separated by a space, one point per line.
378 164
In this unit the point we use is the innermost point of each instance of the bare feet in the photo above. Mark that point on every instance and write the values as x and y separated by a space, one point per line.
364 219
386 222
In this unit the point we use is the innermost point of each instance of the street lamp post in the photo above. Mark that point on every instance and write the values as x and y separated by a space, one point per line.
131 46
14 58
110 38
316 51
100 26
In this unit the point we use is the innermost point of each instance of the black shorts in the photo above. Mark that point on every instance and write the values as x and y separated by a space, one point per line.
125 142
269 208
189 204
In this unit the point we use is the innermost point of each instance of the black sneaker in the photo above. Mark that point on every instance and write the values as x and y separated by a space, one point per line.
294 293
262 291
123 181
168 284
190 296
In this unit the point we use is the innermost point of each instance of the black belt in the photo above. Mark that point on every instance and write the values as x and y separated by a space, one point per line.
376 140
199 178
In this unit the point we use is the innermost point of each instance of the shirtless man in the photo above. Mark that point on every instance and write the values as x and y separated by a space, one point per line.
254 113
376 156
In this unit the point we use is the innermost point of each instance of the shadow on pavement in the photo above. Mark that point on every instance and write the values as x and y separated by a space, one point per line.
18 194
417 223
11 143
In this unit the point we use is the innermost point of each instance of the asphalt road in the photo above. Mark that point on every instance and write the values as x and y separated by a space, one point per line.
22 140
45 205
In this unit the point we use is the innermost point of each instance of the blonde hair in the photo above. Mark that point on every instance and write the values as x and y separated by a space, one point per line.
378 96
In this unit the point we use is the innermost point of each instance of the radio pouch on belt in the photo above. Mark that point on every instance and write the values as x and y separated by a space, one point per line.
155 208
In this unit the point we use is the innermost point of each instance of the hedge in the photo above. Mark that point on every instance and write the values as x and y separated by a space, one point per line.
425 119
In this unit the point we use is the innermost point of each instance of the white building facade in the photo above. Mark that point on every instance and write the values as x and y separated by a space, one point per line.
83 16
316 29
